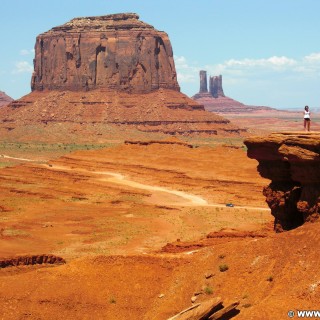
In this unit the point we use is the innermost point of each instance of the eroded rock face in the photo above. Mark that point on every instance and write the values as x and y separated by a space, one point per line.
115 52
292 162
203 81
215 86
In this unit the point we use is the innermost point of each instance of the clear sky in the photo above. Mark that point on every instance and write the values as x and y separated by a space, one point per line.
266 50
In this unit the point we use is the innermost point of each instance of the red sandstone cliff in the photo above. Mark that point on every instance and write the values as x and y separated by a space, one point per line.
117 52
292 162
4 99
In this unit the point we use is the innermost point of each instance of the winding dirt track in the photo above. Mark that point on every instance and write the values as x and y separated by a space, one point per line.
14 158
186 199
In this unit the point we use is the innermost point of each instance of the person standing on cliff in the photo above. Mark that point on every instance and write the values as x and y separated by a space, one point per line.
306 119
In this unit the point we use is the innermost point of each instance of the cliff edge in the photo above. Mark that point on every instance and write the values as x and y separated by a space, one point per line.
291 160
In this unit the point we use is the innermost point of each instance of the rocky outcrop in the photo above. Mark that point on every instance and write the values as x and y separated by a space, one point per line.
4 99
292 162
215 86
31 260
203 81
172 141
117 52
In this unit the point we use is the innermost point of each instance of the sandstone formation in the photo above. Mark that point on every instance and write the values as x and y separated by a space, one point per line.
215 86
115 51
215 100
292 162
100 116
4 99
106 78
203 82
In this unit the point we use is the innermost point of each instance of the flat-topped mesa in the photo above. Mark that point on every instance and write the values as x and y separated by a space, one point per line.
292 162
116 52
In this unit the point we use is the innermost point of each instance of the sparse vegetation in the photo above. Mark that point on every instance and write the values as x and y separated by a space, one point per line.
270 278
11 232
223 267
16 149
208 290
112 300
221 256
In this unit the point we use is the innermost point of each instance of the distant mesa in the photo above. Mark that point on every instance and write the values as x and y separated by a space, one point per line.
4 99
107 77
214 99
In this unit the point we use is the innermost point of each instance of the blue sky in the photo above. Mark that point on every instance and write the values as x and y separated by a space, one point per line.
266 50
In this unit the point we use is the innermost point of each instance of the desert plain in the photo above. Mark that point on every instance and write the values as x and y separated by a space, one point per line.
143 229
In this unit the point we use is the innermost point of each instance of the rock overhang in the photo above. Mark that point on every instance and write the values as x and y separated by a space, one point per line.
291 160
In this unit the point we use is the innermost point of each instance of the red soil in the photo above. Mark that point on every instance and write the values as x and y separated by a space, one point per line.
71 209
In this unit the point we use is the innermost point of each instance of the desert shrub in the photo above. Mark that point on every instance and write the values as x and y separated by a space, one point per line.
112 300
208 290
223 267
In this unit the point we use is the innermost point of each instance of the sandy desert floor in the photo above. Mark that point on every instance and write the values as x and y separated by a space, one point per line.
143 229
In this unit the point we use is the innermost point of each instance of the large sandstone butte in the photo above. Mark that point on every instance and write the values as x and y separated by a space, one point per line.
4 99
101 78
292 162
116 51
215 100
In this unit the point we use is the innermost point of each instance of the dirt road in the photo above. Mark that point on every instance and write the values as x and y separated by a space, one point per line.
181 198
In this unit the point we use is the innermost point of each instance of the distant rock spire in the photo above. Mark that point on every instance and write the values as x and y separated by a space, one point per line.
203 81
215 86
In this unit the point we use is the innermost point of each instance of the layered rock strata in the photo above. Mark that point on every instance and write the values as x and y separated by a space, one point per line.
4 99
99 115
291 160
117 52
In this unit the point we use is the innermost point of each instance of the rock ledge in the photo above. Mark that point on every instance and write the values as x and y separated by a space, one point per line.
291 160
